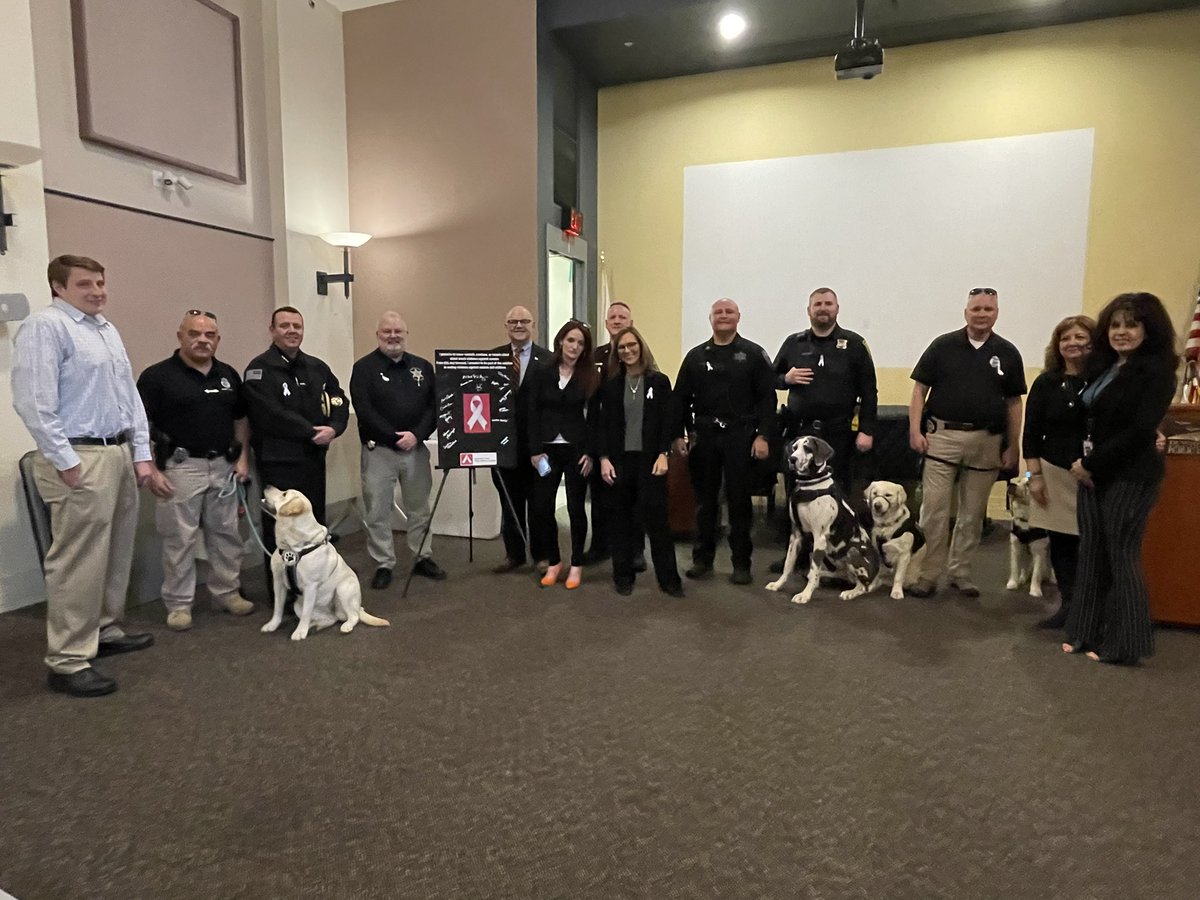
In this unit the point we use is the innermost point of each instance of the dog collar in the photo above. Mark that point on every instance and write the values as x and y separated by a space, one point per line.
811 488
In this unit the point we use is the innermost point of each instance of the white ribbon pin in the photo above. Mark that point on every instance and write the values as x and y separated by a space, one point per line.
650 393
476 419
286 392
994 362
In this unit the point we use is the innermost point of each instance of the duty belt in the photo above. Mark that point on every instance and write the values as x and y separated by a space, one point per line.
725 422
957 426
113 441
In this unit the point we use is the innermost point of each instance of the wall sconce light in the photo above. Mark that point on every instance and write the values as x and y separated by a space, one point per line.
345 240
11 156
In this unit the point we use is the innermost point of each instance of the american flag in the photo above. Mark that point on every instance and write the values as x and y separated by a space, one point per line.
1191 352
1192 348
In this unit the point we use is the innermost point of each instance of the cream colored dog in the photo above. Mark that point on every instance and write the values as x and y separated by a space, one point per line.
899 539
329 589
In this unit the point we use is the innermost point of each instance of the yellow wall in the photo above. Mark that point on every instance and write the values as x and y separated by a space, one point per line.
1135 80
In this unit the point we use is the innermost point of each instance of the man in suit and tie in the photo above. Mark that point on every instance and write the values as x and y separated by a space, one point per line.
518 480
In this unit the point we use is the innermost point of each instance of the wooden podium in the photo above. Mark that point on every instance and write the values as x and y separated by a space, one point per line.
1171 550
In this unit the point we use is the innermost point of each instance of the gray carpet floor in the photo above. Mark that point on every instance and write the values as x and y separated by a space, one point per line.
504 741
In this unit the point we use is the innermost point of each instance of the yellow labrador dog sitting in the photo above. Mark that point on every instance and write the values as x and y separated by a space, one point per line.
305 560
899 539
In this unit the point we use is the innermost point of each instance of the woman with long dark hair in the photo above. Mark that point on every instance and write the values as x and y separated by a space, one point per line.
1130 385
637 424
559 397
1052 439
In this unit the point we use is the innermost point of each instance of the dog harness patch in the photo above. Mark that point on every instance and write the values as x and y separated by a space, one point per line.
291 559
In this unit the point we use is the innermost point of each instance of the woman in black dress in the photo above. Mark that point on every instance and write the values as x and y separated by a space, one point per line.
560 393
637 424
1130 385
1052 439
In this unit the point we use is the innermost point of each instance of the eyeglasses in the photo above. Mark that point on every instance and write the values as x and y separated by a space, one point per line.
515 322
991 292
202 312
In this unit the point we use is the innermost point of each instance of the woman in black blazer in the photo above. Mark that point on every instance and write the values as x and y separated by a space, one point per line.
1052 439
1131 383
560 393
637 423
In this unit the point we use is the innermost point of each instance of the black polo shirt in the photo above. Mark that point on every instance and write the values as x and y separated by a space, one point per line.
194 410
391 396
969 385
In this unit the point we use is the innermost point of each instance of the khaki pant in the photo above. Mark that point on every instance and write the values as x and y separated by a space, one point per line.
950 452
197 510
381 469
87 568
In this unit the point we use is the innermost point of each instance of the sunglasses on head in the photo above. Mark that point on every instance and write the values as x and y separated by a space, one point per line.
202 312
991 292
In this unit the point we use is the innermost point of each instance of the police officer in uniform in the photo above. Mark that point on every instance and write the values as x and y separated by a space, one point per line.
296 409
828 374
393 396
726 393
965 407
197 414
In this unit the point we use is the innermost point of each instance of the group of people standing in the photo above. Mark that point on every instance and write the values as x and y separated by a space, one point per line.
185 430
603 418
1093 451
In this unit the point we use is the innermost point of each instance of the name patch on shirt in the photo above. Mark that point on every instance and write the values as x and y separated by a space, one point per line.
841 343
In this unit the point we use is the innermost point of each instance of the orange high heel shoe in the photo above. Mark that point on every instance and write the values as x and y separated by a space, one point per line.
574 578
551 576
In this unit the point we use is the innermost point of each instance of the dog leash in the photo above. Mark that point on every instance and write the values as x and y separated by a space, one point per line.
958 465
241 493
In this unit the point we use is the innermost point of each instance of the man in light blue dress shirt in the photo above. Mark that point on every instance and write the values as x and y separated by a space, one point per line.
73 387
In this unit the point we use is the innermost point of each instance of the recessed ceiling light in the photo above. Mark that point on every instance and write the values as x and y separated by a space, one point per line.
731 25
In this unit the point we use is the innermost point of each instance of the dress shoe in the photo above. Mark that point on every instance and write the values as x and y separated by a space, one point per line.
550 578
639 563
381 579
923 588
509 565
699 570
574 578
126 643
675 590
741 576
179 619
237 605
965 587
427 568
84 683
624 589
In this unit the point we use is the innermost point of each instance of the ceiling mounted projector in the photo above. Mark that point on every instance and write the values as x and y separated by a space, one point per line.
862 57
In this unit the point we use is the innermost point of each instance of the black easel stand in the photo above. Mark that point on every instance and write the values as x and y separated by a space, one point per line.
470 521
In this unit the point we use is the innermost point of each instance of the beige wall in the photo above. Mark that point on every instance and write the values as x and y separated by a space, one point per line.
22 271
91 170
1134 80
442 119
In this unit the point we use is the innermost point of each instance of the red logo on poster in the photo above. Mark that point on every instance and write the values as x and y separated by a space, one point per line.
477 414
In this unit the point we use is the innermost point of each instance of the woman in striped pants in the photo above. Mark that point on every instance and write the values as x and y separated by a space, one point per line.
1131 383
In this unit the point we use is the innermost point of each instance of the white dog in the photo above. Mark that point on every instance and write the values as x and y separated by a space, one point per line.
818 507
899 539
1028 548
305 560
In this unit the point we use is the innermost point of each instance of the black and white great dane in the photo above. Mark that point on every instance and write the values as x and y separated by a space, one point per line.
841 546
